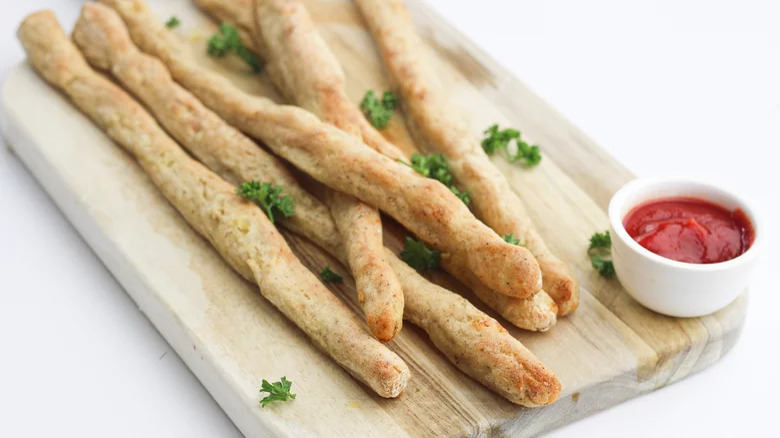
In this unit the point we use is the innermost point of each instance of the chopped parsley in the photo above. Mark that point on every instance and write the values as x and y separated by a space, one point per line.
227 40
328 275
510 238
436 166
378 111
269 197
599 252
500 139
172 23
277 391
417 255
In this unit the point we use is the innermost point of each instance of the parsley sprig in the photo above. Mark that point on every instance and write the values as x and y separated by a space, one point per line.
227 40
511 238
269 197
417 255
378 111
436 166
328 275
499 139
599 252
172 22
278 391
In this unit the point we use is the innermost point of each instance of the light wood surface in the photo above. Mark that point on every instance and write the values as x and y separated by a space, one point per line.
609 351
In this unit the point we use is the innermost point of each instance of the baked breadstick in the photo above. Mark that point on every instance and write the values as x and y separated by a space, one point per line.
424 206
493 199
290 43
239 231
476 343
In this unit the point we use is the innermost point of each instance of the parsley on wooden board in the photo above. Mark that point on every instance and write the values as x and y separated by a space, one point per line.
417 255
599 252
227 40
500 139
328 275
269 197
278 391
172 22
378 111
436 166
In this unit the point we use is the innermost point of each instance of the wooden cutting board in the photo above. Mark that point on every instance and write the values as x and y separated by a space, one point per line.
609 351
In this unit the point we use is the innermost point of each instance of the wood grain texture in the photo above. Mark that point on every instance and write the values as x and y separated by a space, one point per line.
609 351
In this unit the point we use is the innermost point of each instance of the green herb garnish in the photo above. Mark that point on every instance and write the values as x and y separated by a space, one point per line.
269 197
328 275
436 166
599 252
227 40
378 111
510 238
499 139
419 256
172 23
278 391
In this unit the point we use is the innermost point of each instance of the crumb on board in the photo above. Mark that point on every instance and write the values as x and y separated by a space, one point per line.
575 396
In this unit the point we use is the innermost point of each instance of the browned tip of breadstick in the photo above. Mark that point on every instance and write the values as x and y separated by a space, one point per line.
96 42
475 342
561 284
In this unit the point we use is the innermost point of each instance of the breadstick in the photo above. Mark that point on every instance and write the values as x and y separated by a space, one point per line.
424 206
476 343
502 363
493 199
290 43
239 231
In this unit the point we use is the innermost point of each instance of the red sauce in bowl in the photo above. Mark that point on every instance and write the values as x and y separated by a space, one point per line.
690 230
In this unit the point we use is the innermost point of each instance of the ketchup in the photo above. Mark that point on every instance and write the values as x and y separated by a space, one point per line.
690 230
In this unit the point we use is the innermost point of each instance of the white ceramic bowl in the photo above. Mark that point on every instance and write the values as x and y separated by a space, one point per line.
668 286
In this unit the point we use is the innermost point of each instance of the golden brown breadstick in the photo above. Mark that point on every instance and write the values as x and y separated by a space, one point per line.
237 229
290 43
378 288
426 207
493 199
476 343
289 29
484 352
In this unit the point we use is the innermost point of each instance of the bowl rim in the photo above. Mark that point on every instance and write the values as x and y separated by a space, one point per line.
620 199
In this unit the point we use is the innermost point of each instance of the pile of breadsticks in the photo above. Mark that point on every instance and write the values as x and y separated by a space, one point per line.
182 106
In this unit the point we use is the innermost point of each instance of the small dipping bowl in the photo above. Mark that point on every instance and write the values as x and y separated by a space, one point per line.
668 286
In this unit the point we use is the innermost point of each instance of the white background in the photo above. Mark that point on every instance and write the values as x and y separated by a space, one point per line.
668 87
